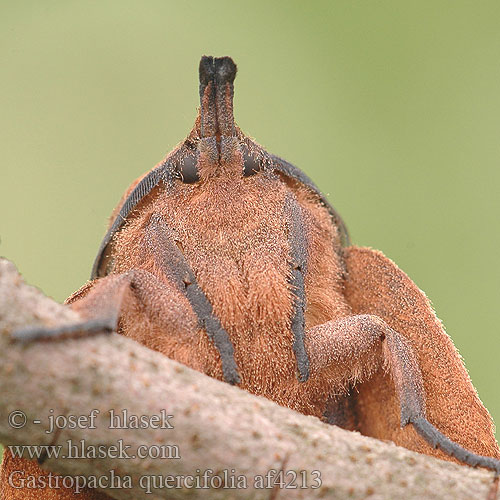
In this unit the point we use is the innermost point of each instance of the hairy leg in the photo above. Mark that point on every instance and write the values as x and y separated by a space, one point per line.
131 300
352 350
375 285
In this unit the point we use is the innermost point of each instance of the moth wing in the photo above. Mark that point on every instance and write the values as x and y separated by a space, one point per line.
375 285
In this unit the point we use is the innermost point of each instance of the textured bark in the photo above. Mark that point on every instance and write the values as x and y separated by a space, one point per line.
216 426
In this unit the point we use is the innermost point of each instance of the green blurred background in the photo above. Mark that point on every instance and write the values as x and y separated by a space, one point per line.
391 107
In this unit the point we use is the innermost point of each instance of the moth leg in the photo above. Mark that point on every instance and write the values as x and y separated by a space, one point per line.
166 250
375 285
352 349
103 303
91 327
438 440
99 312
142 307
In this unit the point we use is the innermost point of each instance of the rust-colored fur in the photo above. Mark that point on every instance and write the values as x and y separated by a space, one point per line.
234 232
376 285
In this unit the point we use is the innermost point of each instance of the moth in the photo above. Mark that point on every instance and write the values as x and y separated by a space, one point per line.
229 259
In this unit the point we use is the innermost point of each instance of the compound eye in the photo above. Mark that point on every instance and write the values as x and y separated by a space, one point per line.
250 165
188 170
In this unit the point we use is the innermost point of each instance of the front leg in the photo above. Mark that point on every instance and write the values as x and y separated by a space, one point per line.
167 299
107 303
157 313
351 350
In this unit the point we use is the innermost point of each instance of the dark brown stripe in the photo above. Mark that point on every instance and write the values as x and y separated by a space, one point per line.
298 264
297 174
76 330
176 267
270 162
163 173
438 440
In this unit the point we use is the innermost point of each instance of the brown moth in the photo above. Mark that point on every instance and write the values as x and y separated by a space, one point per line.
228 259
